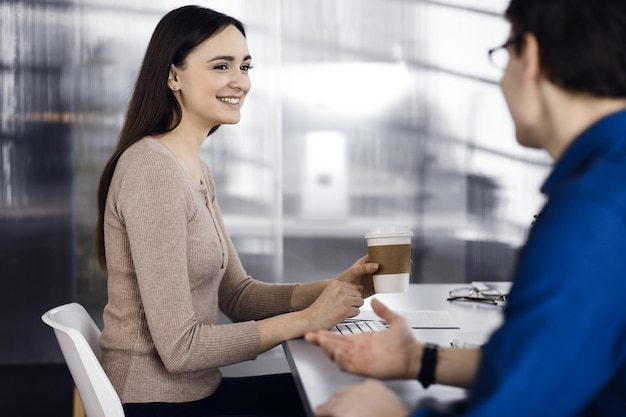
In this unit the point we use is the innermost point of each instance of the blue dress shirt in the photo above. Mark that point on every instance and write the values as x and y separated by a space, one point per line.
562 348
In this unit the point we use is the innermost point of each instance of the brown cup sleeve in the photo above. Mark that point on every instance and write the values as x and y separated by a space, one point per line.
392 259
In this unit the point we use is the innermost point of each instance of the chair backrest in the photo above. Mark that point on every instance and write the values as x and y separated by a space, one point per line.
78 337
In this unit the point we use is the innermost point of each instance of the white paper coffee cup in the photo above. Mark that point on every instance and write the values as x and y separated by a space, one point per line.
390 248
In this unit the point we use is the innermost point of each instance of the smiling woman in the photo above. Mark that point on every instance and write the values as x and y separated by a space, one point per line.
170 261
212 83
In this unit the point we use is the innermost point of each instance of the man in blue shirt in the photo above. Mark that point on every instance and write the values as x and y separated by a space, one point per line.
561 350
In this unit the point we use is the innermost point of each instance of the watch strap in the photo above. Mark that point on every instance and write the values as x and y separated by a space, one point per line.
429 363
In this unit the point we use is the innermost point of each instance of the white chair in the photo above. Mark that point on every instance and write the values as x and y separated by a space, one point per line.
78 336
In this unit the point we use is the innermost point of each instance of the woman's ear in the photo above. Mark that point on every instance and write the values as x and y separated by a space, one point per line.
172 79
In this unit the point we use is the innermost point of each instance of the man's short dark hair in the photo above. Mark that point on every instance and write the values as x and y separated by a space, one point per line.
582 42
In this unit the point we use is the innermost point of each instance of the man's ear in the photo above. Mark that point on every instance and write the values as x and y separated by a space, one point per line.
530 56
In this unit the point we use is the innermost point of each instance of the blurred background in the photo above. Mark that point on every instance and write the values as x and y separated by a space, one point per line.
362 113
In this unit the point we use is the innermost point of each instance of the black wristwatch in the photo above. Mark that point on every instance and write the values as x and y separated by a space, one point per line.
429 364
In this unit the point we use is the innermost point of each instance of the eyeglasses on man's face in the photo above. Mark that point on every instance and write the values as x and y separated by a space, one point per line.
491 296
499 56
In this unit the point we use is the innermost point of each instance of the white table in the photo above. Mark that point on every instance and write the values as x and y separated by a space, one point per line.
318 378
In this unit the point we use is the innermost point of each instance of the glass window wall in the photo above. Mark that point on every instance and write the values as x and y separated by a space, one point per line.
362 113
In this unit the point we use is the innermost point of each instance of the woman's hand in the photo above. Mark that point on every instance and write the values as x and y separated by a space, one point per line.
361 273
320 305
391 353
337 302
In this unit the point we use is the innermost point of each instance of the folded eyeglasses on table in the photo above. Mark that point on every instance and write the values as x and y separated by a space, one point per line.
487 295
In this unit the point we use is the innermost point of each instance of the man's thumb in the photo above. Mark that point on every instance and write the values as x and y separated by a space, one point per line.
383 311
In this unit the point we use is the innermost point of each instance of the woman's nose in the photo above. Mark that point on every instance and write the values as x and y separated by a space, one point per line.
241 81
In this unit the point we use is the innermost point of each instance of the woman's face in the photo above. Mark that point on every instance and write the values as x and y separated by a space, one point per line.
213 83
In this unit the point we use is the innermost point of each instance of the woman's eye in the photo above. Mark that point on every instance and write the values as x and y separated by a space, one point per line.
221 67
246 67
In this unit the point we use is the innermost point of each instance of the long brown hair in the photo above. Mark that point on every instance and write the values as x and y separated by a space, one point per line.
153 109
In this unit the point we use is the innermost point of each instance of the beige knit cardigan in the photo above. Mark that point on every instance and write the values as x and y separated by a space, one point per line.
171 265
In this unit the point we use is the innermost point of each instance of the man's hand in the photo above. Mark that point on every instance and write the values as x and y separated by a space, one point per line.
388 354
368 399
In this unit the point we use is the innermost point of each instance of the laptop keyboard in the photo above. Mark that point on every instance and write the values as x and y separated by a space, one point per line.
356 327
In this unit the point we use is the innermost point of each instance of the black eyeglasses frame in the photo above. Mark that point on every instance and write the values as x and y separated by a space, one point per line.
476 295
515 40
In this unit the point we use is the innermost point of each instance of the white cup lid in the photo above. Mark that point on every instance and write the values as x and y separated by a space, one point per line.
384 231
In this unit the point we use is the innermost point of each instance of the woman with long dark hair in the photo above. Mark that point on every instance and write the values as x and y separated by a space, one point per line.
170 261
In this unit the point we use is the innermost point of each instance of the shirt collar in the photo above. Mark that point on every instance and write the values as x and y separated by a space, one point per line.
597 139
